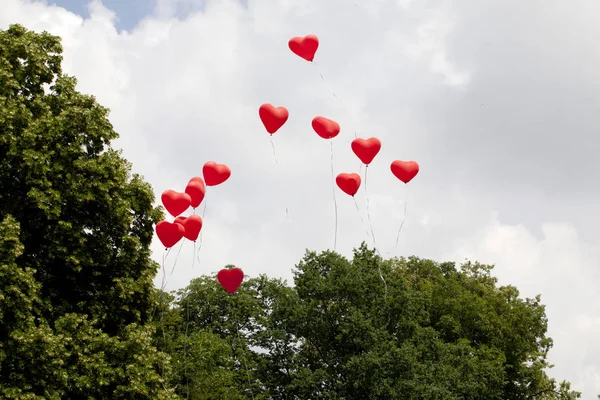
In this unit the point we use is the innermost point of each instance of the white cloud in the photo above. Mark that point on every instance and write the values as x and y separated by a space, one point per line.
565 270
187 90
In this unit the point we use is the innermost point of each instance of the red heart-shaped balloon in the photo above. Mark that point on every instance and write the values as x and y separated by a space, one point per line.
175 202
169 233
366 149
230 279
192 226
405 170
272 117
349 183
197 190
215 174
325 127
304 47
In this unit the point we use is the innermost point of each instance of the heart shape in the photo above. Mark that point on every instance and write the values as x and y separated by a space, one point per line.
169 233
366 149
192 226
405 170
230 279
272 117
304 47
349 183
325 127
215 174
175 202
197 190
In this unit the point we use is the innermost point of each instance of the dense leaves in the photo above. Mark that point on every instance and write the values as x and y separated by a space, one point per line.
438 332
75 269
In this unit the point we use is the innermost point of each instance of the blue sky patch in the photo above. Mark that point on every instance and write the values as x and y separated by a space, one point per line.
129 12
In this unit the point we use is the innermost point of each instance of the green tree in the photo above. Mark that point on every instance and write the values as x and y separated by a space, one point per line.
77 290
204 363
438 332
229 346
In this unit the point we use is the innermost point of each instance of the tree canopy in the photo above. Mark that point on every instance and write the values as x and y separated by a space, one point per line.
438 332
76 226
80 318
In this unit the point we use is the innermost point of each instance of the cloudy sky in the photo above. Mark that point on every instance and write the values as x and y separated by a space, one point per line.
498 101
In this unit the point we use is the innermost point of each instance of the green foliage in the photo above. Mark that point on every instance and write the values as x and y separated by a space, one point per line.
439 333
75 270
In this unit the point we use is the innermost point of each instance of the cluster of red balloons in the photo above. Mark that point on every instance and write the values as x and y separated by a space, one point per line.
274 118
176 203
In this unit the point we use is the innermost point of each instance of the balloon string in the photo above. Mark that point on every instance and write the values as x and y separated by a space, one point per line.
401 224
373 232
244 359
162 286
334 199
368 208
176 258
194 254
165 280
187 324
273 147
186 336
360 215
380 274
247 369
287 210
328 87
162 293
164 261
202 231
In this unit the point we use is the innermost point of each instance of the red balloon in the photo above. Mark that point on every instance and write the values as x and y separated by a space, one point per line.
349 183
175 202
405 170
169 233
366 149
325 127
215 174
272 117
304 47
196 189
192 226
230 279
